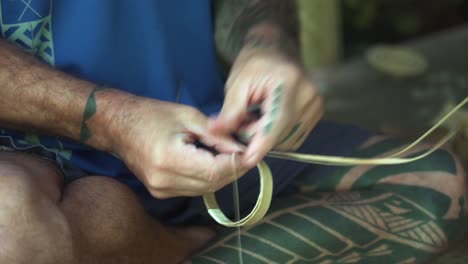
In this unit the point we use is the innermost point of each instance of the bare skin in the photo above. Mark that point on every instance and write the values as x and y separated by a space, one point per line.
261 43
43 221
96 219
92 220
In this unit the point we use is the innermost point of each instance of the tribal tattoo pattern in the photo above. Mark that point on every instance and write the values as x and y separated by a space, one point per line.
366 214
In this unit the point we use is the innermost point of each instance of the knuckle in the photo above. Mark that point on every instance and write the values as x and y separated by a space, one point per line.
152 182
159 182
192 112
189 113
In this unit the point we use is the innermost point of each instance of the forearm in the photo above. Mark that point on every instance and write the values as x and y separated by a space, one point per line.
257 24
36 97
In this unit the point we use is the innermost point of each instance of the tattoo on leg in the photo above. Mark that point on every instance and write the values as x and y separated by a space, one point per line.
370 226
291 133
275 110
89 112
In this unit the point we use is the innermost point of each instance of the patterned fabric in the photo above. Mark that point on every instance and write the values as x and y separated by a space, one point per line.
385 214
457 255
28 24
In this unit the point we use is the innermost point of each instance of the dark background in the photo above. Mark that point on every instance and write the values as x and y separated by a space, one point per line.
367 22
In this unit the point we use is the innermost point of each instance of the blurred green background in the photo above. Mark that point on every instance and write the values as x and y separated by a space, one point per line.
366 22
334 30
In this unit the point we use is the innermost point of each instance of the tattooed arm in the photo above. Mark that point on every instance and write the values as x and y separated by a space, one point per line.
259 39
258 23
34 96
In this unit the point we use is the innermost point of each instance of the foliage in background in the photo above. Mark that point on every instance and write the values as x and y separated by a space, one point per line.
373 21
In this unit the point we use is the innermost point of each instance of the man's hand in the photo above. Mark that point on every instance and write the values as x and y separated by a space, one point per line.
290 104
259 42
157 142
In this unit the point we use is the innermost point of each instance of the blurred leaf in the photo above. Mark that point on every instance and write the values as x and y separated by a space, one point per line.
408 24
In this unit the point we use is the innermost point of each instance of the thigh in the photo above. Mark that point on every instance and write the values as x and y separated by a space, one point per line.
32 171
440 177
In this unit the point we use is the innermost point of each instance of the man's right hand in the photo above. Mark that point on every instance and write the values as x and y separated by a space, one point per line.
156 141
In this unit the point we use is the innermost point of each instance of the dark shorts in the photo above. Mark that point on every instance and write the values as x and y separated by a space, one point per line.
327 138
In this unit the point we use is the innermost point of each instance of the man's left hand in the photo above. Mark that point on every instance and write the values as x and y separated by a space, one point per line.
290 105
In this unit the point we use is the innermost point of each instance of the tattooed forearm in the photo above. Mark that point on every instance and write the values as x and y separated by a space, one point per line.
89 112
259 23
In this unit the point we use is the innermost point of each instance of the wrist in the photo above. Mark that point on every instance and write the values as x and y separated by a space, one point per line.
269 37
106 125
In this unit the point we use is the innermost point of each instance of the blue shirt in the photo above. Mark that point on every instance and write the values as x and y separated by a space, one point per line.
155 48
159 49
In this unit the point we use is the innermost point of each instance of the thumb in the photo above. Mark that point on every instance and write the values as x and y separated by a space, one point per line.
233 113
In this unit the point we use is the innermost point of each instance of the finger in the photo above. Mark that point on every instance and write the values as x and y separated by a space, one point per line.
221 143
237 173
165 184
271 125
234 109
247 132
310 105
202 164
191 191
196 128
287 137
188 160
311 118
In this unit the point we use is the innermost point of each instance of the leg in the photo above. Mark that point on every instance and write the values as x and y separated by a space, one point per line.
366 214
110 226
93 220
30 222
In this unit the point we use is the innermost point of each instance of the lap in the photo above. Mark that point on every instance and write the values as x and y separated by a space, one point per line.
364 214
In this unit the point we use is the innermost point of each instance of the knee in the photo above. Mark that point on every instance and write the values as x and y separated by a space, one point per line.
17 190
31 226
102 203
